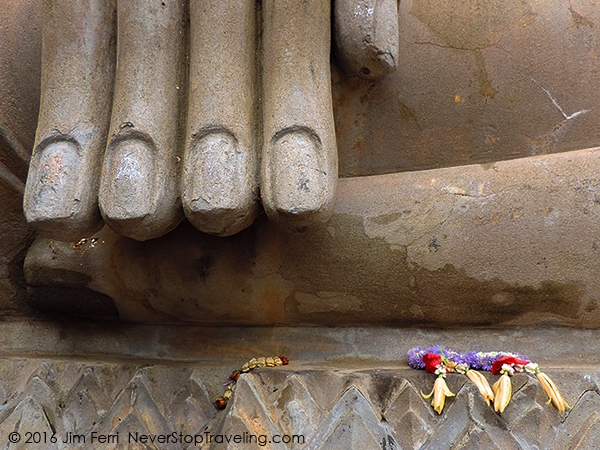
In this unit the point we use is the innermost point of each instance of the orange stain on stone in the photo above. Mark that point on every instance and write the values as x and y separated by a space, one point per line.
271 302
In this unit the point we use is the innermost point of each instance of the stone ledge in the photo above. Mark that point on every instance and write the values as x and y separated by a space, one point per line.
336 408
344 387
318 347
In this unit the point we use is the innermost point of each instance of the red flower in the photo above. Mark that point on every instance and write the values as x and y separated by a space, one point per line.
509 360
432 362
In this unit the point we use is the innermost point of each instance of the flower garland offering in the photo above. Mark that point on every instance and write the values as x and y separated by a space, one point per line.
507 364
499 363
254 363
440 361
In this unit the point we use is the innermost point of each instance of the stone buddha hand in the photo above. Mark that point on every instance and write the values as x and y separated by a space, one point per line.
153 110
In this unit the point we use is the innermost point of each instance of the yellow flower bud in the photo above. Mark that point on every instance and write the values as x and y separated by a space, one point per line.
552 391
502 393
482 384
440 392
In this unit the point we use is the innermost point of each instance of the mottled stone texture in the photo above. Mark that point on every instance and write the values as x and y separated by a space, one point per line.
20 48
476 82
366 37
322 409
501 244
513 242
332 393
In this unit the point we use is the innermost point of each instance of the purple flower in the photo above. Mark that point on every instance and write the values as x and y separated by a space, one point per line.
415 355
473 360
455 357
484 360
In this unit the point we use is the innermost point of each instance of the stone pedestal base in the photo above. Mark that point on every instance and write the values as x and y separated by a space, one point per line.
311 408
343 389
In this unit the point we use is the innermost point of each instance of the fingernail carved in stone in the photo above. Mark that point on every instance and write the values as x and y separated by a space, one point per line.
218 184
299 185
61 195
126 190
53 185
299 158
139 191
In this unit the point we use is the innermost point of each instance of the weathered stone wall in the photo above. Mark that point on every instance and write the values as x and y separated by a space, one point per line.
83 402
510 242
343 389
477 82
513 242
501 244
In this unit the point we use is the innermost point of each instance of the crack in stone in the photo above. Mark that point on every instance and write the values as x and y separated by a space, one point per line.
452 47
485 84
555 103
463 49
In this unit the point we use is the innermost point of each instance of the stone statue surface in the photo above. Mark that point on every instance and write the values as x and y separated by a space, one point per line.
464 212
147 116
151 109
